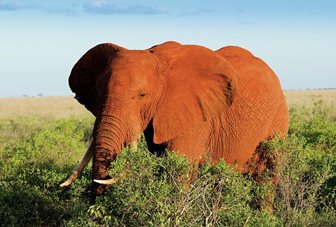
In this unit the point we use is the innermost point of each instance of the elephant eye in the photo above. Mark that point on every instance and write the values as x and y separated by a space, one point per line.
142 95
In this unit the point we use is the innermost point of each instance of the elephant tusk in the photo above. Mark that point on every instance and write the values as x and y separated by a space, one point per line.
110 181
70 179
107 182
83 163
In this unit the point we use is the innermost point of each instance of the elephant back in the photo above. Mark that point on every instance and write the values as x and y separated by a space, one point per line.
234 51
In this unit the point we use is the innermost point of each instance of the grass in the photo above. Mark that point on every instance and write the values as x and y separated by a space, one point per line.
46 107
42 139
21 116
307 98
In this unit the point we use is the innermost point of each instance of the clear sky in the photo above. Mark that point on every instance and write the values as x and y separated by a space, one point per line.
40 41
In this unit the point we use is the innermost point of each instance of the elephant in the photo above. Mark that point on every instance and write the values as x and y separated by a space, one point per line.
205 105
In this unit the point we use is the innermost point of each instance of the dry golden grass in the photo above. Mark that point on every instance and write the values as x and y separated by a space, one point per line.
306 98
49 107
20 116
66 106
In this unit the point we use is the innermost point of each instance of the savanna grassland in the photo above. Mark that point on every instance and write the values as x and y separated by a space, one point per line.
42 139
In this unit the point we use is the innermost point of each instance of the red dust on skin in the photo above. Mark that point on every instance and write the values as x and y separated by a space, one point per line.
200 103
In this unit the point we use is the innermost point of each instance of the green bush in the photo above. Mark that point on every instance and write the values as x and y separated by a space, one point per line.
307 168
157 191
31 170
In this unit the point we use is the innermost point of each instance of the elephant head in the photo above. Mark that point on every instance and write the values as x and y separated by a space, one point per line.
171 86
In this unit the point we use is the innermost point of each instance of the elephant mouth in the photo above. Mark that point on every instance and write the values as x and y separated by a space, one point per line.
86 159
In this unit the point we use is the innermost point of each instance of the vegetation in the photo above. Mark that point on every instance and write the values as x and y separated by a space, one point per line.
37 152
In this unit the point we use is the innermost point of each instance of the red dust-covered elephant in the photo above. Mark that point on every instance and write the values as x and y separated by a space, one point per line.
200 103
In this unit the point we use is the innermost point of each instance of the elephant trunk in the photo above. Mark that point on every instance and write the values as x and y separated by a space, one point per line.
110 137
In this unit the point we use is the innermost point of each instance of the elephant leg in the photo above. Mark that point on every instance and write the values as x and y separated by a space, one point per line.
263 164
158 149
262 168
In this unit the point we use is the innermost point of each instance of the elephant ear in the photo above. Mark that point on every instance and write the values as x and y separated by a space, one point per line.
200 84
89 69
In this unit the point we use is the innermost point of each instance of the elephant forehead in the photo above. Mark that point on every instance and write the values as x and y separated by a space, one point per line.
132 71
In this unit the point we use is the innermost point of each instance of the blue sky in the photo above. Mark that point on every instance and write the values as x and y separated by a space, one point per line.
40 41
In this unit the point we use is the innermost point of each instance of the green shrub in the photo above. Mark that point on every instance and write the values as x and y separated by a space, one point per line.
157 191
31 170
307 168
